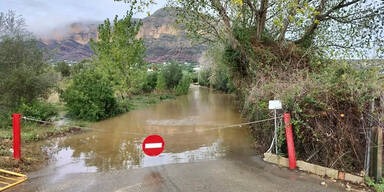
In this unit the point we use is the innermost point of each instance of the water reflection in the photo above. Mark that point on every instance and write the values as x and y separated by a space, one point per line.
183 124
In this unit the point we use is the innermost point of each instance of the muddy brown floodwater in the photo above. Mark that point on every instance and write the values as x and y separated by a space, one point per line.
197 156
185 124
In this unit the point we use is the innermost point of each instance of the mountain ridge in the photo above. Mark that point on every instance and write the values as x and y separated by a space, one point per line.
163 38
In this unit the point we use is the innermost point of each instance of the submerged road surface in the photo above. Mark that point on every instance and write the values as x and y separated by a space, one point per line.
197 157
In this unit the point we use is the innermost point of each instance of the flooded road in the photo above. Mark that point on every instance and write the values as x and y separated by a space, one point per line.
198 156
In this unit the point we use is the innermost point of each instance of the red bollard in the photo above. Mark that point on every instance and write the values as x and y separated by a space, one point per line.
16 136
290 143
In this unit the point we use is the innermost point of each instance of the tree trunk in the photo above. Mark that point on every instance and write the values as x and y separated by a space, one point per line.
262 16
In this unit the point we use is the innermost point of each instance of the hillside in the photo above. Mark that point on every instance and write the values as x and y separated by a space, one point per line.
163 39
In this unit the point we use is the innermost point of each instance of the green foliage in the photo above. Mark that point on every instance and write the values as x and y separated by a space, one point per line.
283 54
195 77
63 68
172 74
25 76
204 75
76 68
37 109
161 82
378 186
120 54
222 81
183 85
90 96
23 71
311 24
217 74
150 82
5 119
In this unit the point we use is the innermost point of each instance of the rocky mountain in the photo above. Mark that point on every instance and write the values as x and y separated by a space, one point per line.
163 38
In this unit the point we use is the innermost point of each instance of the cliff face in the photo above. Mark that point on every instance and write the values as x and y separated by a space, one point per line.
163 38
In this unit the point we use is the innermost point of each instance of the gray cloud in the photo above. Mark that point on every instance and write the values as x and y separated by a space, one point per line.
44 15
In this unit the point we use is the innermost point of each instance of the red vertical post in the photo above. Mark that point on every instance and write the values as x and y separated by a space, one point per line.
16 136
290 143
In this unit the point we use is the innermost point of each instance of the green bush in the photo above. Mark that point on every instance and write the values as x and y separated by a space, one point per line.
161 84
378 186
172 74
183 86
63 68
5 119
37 109
150 82
222 80
90 96
77 67
194 77
204 76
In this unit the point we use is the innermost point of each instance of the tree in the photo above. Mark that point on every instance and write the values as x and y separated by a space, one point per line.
12 24
24 73
63 68
119 54
342 25
172 73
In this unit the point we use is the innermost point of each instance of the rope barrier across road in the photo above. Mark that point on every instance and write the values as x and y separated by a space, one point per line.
239 125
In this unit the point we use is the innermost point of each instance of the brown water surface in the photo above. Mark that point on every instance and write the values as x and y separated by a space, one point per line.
187 125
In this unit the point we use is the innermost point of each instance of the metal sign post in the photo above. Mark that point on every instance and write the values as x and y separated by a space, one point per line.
275 105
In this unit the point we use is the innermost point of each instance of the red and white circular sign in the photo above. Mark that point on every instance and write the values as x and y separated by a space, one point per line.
153 145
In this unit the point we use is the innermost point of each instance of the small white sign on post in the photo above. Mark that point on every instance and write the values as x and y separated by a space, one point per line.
275 104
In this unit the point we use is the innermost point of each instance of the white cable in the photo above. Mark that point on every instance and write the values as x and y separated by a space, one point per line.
132 133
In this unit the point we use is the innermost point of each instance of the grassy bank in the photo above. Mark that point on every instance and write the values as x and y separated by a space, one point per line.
141 101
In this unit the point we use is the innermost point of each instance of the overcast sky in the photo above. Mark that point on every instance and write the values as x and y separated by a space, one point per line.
43 15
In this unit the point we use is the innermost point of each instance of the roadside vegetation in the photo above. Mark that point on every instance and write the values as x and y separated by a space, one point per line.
114 81
27 79
296 52
118 74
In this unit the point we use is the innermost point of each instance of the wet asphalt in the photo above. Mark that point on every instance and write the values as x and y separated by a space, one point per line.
222 175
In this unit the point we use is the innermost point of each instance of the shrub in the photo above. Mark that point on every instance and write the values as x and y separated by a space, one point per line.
204 76
37 109
194 77
5 119
221 80
77 67
161 84
63 68
183 86
172 74
150 82
90 96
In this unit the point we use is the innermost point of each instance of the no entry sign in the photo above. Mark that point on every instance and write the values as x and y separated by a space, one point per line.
153 145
